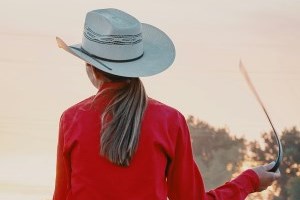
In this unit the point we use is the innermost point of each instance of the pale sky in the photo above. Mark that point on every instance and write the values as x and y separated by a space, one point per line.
38 81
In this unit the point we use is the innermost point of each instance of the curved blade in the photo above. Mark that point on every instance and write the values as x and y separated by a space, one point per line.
279 155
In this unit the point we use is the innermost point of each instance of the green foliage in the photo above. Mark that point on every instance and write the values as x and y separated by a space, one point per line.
290 167
217 153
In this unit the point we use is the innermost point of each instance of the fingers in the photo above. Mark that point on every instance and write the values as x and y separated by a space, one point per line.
273 175
269 166
277 174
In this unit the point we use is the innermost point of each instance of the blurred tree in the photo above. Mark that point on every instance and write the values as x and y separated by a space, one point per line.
218 154
294 188
288 185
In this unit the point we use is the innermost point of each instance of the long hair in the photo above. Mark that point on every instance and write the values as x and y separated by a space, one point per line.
121 120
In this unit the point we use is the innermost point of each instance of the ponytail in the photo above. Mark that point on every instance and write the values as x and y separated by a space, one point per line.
121 123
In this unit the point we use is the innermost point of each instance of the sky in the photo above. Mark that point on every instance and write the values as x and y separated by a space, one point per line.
38 81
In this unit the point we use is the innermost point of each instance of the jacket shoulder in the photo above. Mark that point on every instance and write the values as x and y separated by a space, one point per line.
71 111
163 111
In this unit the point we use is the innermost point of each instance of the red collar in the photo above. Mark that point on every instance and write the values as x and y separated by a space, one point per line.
113 85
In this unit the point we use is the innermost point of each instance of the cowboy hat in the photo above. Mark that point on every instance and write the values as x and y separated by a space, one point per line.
117 43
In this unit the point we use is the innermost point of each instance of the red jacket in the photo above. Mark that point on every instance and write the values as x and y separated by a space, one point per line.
162 167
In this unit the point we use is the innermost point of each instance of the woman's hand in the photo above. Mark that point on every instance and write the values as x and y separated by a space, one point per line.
266 178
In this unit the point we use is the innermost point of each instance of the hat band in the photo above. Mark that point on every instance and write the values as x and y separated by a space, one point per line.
112 39
105 59
112 47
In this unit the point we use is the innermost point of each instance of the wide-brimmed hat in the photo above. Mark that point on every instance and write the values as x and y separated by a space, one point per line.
117 43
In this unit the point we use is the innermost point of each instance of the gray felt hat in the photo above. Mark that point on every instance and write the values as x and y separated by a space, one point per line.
117 43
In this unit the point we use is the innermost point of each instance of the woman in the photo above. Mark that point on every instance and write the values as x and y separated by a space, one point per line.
120 144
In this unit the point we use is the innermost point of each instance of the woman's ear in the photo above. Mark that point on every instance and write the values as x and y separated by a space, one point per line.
92 75
99 75
96 73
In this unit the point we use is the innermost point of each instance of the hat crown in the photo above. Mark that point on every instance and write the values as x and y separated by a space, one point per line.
112 34
112 21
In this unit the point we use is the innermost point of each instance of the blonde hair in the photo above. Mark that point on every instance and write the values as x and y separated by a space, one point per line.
121 121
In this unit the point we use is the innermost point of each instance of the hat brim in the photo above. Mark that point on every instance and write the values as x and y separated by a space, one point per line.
159 54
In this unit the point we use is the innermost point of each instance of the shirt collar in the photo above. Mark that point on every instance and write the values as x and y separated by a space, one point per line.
111 86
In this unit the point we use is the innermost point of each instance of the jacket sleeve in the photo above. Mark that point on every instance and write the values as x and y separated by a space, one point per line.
62 166
237 189
183 177
185 181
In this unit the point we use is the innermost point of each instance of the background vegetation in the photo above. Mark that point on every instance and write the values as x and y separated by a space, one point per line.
221 156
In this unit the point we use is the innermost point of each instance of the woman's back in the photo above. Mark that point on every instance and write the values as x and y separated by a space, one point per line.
93 176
